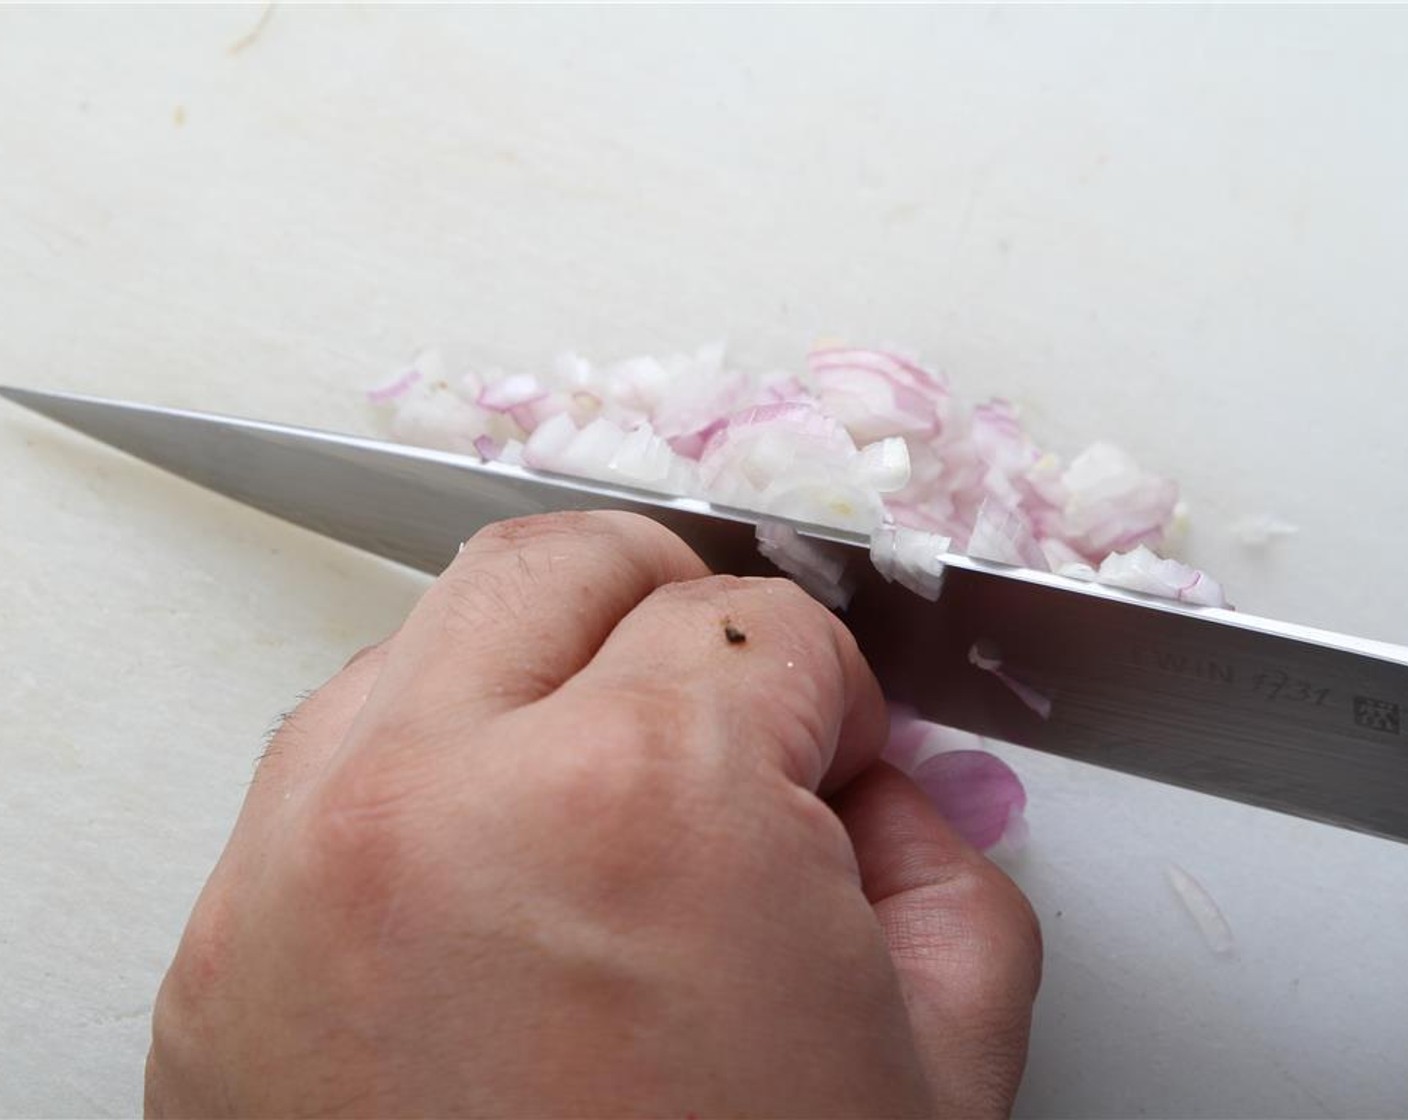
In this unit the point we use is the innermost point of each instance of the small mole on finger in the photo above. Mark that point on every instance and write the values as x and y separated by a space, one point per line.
733 634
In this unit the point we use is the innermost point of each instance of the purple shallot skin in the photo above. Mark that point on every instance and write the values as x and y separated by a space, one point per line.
977 793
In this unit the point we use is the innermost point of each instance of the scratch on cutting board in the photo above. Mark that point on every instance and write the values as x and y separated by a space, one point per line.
249 38
1203 910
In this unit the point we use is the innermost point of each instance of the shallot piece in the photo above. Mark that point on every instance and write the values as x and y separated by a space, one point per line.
977 793
1203 910
1142 570
1257 530
985 656
1001 534
863 440
910 557
1112 504
397 385
819 568
913 740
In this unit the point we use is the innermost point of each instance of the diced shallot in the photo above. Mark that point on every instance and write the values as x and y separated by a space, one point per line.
1257 530
398 385
869 441
1141 570
1003 535
1216 933
985 656
912 558
818 567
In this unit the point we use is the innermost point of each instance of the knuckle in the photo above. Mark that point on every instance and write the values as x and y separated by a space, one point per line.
648 541
792 696
991 1080
519 531
623 532
805 624
797 723
687 600
786 611
611 553
1001 936
474 593
1014 934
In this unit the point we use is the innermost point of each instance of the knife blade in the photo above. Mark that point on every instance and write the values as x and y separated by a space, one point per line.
1269 713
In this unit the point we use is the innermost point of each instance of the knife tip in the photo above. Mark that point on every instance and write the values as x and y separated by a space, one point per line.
21 395
39 400
32 399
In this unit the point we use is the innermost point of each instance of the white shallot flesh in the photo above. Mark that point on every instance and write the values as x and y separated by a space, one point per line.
1257 530
985 656
1199 904
865 440
1142 570
816 566
910 557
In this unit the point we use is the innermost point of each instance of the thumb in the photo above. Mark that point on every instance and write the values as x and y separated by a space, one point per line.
963 939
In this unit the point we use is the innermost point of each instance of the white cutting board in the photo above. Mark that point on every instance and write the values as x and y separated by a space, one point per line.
1186 229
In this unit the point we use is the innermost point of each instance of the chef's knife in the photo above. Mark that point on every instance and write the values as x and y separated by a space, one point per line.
1270 713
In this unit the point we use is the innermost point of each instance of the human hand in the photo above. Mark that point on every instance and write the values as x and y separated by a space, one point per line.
596 833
